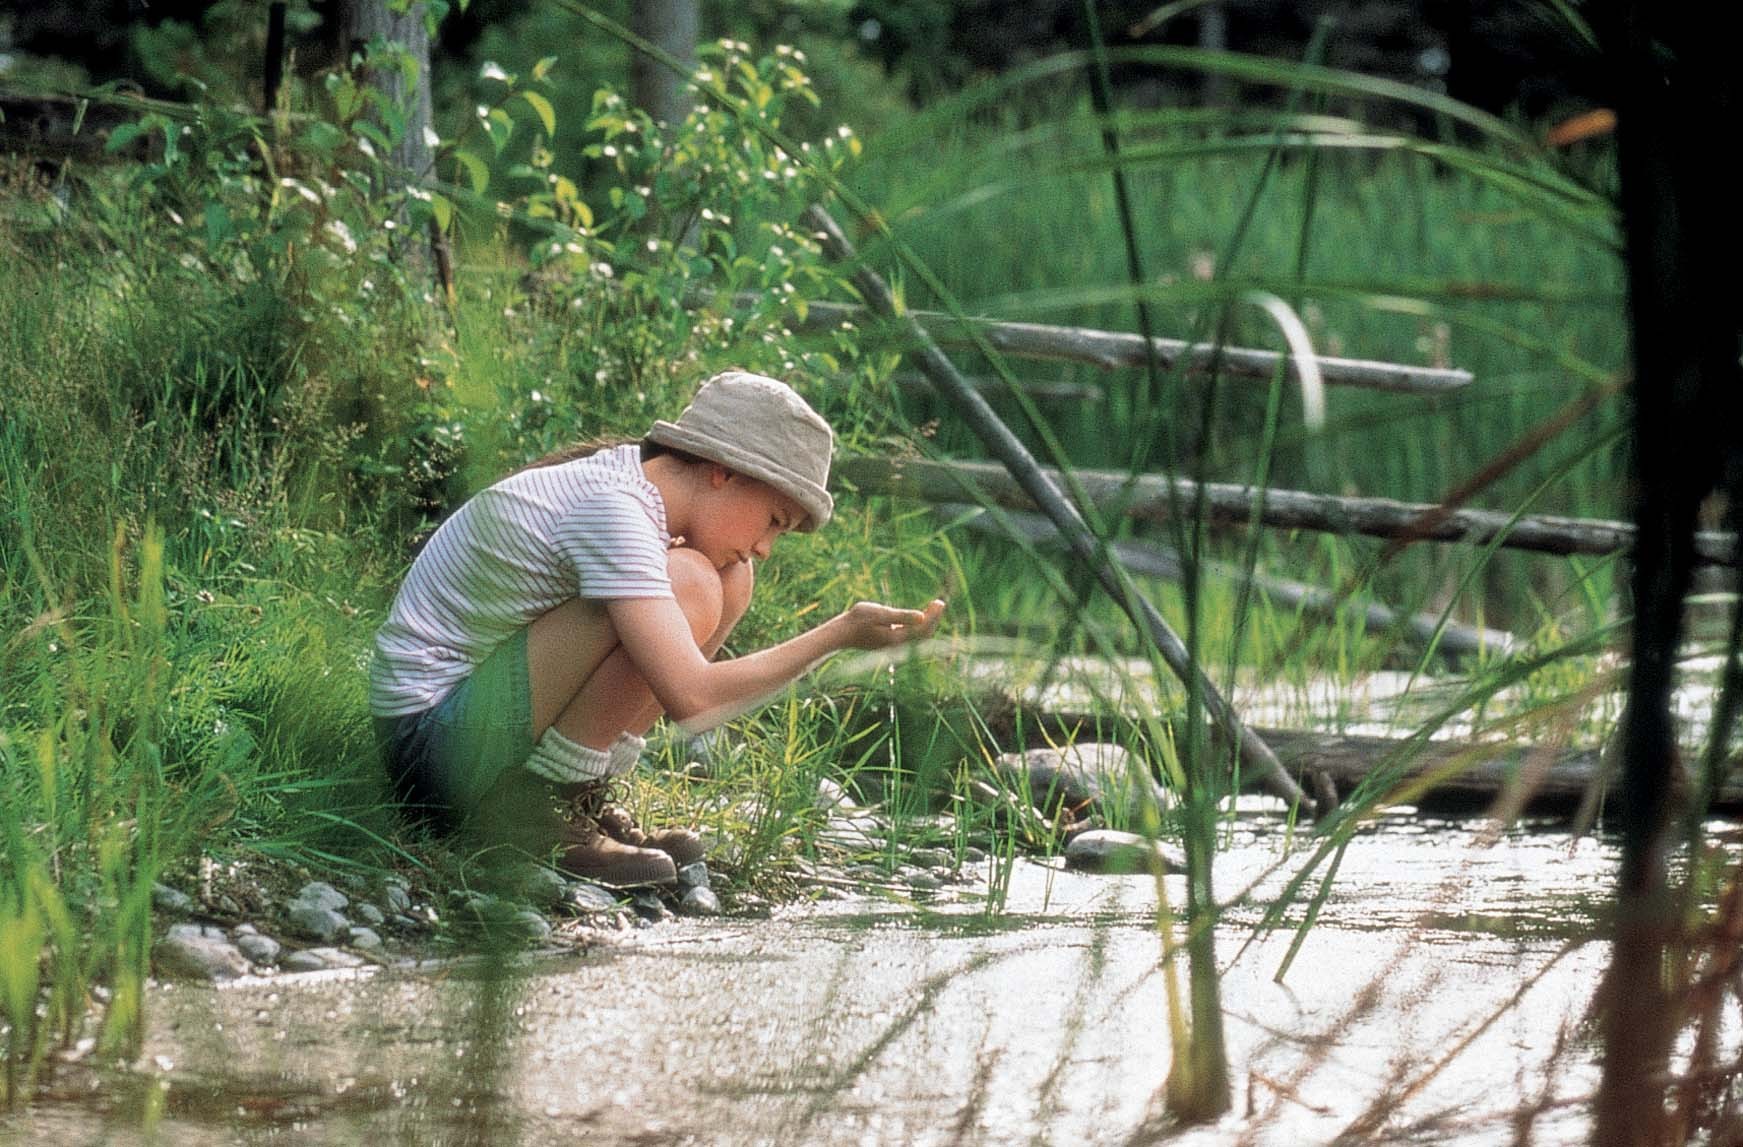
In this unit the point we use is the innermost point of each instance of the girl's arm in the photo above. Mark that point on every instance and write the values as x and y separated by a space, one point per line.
699 694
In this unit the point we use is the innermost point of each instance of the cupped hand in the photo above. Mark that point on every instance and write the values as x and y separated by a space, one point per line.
874 626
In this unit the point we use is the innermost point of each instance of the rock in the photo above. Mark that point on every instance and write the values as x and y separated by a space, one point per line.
865 832
316 921
697 771
1109 851
830 795
923 881
530 926
700 901
369 914
197 952
365 939
243 929
1089 776
324 894
693 875
649 906
167 899
259 949
543 887
320 959
404 923
590 898
973 855
395 898
931 858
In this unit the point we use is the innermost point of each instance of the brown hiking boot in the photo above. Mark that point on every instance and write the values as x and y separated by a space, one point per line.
530 814
589 799
587 852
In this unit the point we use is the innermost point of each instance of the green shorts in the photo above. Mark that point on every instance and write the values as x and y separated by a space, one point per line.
443 760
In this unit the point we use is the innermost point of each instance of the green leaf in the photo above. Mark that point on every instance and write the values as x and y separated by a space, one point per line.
547 114
477 171
500 126
543 67
122 136
443 209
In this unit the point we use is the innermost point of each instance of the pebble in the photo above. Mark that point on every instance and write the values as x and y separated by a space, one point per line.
259 949
924 881
369 914
167 899
243 929
543 887
404 923
365 939
700 901
973 855
324 894
1109 851
931 858
198 952
316 921
693 875
649 906
395 898
589 898
831 795
319 959
529 925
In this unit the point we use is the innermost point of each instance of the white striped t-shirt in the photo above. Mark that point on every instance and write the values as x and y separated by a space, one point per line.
593 528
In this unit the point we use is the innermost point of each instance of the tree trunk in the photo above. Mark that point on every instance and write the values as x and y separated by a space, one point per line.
671 26
366 22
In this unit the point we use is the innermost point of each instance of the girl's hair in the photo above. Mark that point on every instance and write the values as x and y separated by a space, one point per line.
592 446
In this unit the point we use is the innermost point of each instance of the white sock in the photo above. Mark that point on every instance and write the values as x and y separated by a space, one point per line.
625 752
557 758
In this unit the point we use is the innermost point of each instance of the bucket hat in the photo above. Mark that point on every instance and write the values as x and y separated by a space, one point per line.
761 428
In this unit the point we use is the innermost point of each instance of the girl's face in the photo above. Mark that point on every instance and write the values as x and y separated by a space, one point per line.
738 518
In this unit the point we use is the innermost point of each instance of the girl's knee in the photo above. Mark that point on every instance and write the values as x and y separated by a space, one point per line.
697 586
736 583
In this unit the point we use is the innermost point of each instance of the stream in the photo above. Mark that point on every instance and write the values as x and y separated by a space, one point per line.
1439 997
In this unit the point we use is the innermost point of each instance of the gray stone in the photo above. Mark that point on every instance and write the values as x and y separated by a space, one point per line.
243 929
324 894
365 939
543 887
404 923
167 899
589 898
649 906
931 858
700 901
923 881
1107 850
197 952
530 926
369 914
693 875
394 898
259 949
316 921
973 855
320 959
1085 777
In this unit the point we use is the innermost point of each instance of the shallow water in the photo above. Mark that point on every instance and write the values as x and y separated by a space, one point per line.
1440 992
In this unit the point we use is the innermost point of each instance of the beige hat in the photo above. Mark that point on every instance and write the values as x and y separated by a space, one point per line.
760 428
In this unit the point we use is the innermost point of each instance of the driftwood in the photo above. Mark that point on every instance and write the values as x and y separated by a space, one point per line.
1111 349
1022 471
1454 641
1150 500
1081 393
1450 776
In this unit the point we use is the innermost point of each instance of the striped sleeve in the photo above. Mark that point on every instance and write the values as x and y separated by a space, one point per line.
613 548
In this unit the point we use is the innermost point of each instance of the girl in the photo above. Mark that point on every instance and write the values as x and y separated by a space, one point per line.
551 620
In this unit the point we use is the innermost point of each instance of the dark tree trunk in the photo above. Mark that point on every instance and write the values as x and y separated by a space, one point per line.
670 25
1682 252
364 22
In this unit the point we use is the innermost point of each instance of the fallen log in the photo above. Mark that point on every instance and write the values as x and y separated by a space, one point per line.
1442 776
1149 498
1079 392
1113 349
1454 641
